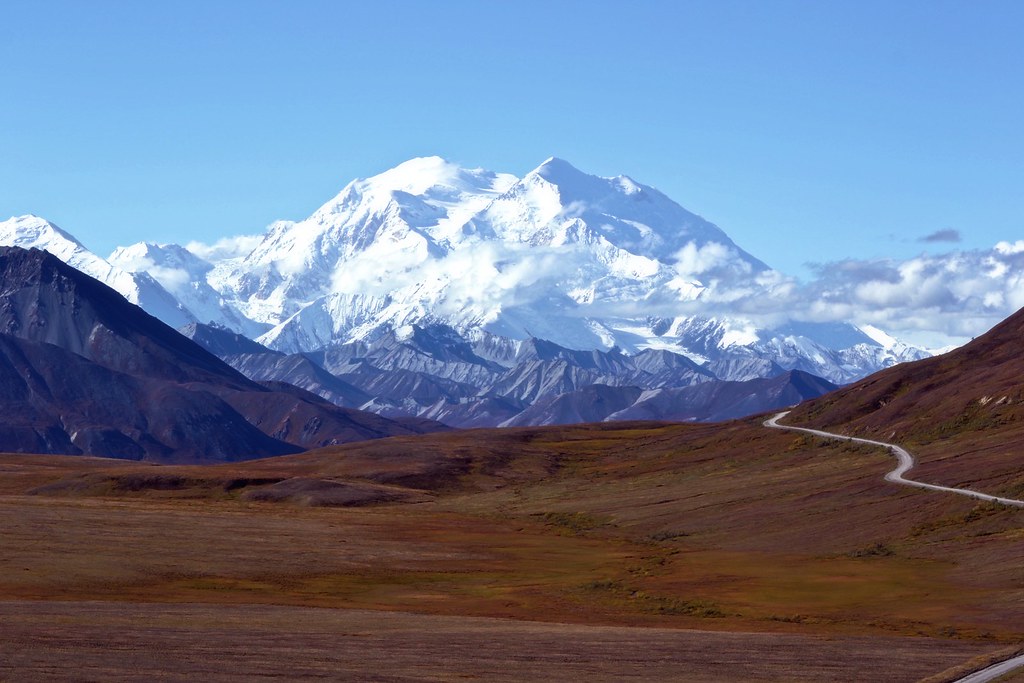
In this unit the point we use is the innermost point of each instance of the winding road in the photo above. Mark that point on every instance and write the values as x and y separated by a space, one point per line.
904 463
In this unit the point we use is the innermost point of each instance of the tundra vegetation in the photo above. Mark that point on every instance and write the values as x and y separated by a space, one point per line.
620 548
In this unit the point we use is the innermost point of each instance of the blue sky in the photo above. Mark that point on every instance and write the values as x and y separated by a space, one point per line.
808 131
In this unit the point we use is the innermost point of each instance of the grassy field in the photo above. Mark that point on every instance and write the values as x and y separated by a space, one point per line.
614 551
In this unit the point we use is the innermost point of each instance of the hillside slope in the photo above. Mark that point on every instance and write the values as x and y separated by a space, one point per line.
961 413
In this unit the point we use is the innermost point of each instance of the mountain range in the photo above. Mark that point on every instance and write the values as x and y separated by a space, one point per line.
731 528
434 374
481 299
582 261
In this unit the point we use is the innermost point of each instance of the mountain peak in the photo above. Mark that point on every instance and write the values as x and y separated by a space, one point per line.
556 170
579 185
34 231
436 166
418 175
430 179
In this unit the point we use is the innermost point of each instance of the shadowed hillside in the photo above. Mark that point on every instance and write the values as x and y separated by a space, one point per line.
84 371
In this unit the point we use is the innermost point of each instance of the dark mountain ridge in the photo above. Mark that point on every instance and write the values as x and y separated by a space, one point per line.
44 300
83 371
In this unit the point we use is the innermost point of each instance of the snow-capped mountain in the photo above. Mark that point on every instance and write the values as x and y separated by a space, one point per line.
558 254
583 261
374 234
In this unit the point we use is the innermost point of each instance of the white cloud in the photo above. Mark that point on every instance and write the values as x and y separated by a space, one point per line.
951 296
1010 247
931 300
173 279
692 261
225 248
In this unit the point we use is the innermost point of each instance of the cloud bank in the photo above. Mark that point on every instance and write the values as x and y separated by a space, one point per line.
946 235
931 300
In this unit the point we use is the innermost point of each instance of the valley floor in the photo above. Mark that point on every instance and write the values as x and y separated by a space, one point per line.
601 552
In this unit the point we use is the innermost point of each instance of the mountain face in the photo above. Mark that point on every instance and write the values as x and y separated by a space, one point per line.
184 276
535 257
56 401
136 285
85 371
221 341
719 401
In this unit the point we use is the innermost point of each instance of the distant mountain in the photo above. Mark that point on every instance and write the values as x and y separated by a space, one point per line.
433 374
85 371
433 291
184 275
719 401
592 403
298 370
431 242
704 402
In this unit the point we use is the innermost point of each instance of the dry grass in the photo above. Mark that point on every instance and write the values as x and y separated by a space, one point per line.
731 529
119 641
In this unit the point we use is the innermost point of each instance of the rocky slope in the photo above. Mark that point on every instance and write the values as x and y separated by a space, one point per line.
433 374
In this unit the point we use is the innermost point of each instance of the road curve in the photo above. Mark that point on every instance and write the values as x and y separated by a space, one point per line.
904 463
993 672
